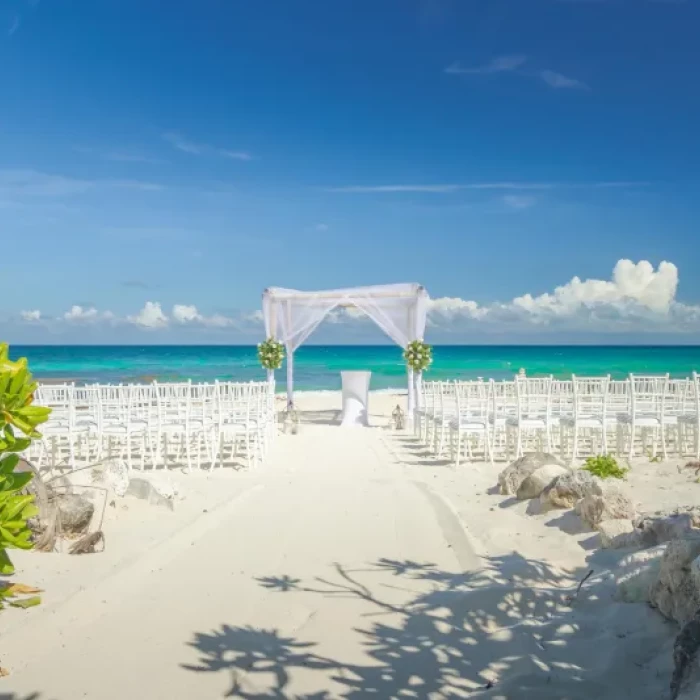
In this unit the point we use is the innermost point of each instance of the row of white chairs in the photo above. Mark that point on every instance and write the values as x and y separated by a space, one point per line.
583 415
156 424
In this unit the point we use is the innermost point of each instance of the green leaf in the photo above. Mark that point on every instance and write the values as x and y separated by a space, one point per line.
8 463
26 602
6 568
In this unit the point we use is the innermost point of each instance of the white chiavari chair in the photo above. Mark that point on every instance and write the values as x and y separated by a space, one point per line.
589 415
504 405
471 421
689 421
646 411
533 413
61 432
445 411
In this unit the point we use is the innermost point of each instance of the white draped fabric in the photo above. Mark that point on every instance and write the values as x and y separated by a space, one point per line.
292 316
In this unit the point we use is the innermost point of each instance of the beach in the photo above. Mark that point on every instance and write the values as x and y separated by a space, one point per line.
352 563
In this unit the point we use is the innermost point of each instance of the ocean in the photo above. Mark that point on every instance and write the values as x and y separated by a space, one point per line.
318 367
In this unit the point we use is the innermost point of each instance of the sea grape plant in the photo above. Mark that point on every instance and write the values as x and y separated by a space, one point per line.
18 422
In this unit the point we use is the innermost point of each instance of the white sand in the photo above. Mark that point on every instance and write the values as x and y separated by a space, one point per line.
351 564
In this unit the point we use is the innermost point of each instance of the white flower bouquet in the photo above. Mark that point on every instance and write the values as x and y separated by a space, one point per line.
271 353
418 355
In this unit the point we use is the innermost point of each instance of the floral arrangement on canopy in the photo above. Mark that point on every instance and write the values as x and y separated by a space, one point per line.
271 354
418 355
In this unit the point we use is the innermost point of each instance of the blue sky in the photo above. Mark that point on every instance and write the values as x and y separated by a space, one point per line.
161 164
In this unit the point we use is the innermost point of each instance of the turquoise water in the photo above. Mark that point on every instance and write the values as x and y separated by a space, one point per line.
318 367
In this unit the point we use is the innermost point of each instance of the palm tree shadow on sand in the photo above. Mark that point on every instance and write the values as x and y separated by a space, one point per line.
506 631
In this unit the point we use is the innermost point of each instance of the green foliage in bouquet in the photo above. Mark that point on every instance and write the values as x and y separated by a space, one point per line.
18 422
418 355
271 354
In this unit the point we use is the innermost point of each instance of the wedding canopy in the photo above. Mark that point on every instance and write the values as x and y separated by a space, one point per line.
292 316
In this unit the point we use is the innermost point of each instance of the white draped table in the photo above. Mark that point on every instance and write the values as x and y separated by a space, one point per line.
355 398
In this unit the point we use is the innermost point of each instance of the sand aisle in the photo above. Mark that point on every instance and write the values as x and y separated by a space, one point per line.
272 594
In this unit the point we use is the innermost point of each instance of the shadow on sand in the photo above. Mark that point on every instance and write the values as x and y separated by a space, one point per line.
501 632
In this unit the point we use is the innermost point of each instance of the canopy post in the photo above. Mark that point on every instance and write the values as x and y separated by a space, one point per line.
290 379
290 361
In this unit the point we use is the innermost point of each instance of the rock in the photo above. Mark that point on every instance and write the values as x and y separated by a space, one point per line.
618 534
636 573
685 682
674 594
611 505
114 475
74 513
655 530
512 476
571 487
695 572
157 489
533 485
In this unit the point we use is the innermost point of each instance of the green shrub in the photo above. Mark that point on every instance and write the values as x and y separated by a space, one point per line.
16 413
605 467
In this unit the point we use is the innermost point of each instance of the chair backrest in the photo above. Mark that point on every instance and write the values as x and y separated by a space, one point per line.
504 399
647 392
590 396
173 402
115 403
144 406
446 404
694 400
562 398
618 400
59 398
534 397
678 397
472 399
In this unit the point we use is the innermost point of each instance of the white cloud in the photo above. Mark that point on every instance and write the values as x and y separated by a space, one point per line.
32 183
14 26
20 182
515 63
322 227
178 141
558 81
448 188
31 316
500 64
188 313
519 201
78 314
183 313
636 295
235 155
452 307
151 316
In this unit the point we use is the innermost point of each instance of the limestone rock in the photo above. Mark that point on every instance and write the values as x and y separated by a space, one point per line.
571 487
74 513
685 682
675 593
618 534
539 480
675 526
114 475
612 504
512 476
636 573
157 489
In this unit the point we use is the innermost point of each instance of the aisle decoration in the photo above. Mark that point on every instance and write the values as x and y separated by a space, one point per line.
418 355
271 354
